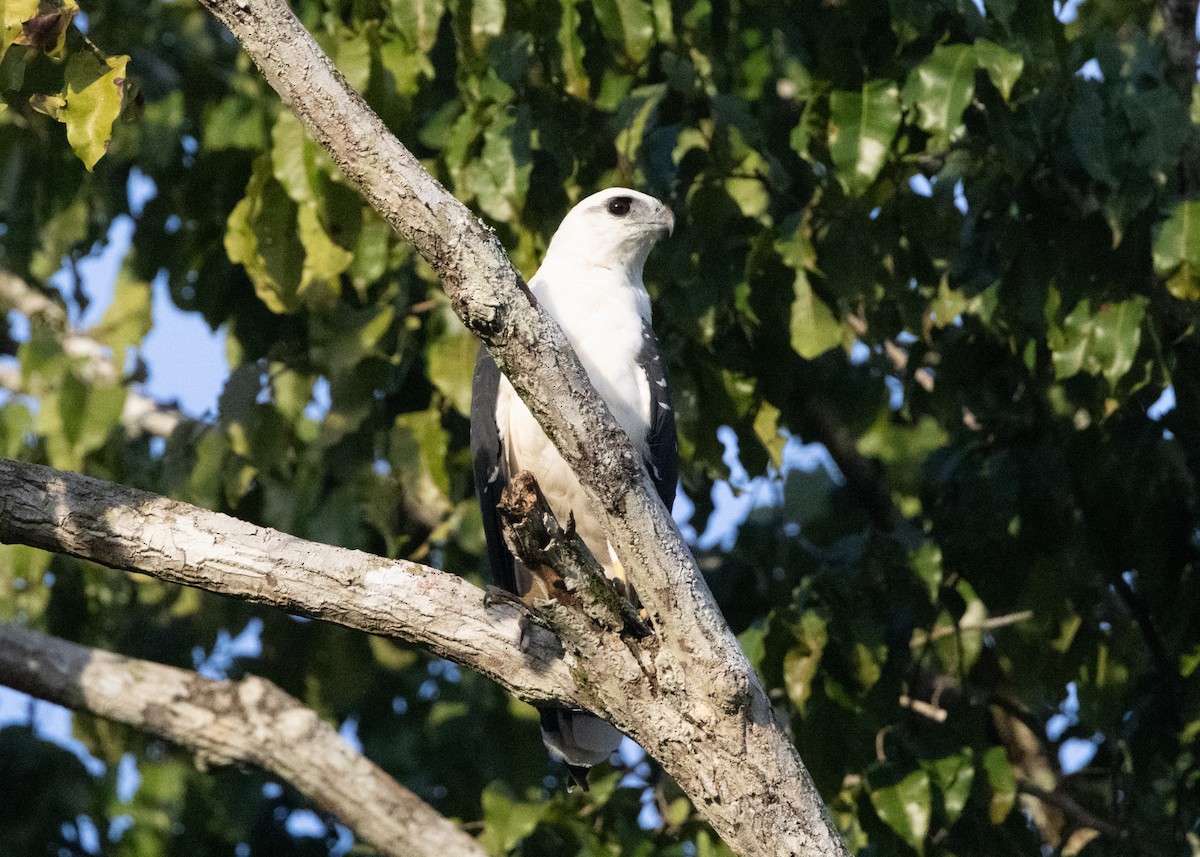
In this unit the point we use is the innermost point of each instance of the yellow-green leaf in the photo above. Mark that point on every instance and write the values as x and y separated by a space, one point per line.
13 14
46 31
1100 343
94 91
1177 251
451 355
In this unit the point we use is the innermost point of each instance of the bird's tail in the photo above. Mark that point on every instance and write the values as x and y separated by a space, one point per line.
578 739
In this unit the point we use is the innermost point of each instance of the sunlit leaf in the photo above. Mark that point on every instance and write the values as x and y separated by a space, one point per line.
941 88
451 358
904 806
13 14
1177 251
862 126
45 30
261 235
629 23
1003 66
127 319
953 776
814 328
94 92
418 21
487 21
1102 343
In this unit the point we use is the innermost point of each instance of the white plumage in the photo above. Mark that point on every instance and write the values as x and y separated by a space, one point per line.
590 282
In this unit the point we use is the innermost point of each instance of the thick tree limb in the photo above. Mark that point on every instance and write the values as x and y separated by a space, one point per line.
714 729
250 721
128 529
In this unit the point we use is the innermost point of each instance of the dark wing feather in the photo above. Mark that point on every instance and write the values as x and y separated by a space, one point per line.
491 472
661 439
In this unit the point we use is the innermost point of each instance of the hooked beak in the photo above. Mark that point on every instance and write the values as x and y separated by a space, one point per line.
667 219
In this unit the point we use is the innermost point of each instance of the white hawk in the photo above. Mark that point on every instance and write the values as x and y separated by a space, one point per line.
591 284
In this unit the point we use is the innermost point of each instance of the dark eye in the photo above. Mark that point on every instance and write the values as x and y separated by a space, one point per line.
620 206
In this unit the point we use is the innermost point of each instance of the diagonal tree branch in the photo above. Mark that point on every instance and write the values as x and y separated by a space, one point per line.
708 720
128 529
249 721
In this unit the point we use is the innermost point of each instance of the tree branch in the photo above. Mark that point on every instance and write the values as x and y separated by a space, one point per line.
128 529
249 721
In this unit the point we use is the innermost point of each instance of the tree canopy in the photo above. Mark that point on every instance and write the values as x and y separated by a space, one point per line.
957 245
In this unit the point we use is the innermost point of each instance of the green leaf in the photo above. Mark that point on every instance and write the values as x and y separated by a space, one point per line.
236 123
1002 782
1177 250
127 319
905 807
451 355
953 775
418 454
16 422
571 45
1102 343
487 21
94 92
352 55
324 260
1003 66
261 236
802 659
814 327
418 22
862 126
507 821
629 23
941 88
636 115
500 178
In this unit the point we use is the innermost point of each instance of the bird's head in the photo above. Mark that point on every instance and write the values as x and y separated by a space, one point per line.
614 228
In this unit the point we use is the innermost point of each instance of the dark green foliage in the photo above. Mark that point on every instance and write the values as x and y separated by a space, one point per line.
1019 522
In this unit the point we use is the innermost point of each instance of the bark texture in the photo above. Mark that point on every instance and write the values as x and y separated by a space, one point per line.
711 726
128 529
250 721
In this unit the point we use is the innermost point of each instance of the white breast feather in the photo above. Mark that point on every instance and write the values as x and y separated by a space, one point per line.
601 312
